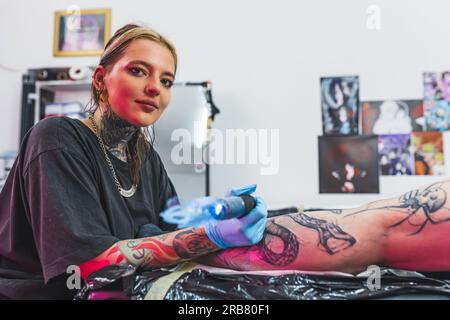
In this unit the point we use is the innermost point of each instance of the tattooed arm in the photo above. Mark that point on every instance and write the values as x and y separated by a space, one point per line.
153 252
318 241
409 232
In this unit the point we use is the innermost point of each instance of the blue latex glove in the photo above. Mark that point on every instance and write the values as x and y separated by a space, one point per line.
244 231
242 190
188 215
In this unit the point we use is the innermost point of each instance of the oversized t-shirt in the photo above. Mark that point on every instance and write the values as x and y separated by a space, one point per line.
60 207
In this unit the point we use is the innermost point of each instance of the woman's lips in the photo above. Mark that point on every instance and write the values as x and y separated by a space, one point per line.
148 106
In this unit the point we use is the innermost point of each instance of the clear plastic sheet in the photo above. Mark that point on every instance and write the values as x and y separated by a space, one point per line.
199 284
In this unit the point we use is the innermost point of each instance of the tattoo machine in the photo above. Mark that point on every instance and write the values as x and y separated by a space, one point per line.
200 210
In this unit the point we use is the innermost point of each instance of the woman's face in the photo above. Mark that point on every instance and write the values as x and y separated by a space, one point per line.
139 83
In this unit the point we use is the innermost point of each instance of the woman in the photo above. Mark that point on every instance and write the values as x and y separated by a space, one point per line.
80 190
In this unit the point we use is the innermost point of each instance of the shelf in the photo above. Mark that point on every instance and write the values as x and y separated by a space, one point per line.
64 85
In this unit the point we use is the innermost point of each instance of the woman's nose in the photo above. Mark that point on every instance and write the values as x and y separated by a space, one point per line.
152 89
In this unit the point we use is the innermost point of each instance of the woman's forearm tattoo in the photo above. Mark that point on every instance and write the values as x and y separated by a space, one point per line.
160 251
189 244
146 253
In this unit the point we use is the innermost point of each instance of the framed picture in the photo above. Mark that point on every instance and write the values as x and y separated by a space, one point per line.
392 116
428 153
348 164
82 33
436 99
396 156
340 105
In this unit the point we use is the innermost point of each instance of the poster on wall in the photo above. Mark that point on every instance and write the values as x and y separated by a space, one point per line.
436 100
348 164
392 116
428 153
81 32
395 154
340 105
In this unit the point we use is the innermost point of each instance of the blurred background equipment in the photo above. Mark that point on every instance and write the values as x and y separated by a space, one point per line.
6 162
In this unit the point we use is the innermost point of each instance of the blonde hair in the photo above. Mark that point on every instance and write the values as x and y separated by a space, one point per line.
117 45
122 38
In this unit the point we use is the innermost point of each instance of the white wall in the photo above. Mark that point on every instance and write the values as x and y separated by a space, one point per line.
265 59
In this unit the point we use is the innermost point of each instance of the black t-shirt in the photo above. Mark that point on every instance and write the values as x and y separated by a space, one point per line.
61 207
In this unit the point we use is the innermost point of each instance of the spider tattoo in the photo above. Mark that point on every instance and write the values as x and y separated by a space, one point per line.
430 200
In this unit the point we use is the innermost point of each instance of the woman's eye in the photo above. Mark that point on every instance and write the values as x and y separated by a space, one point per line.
137 71
167 83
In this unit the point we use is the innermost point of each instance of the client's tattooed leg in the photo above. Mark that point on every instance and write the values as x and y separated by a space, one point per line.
327 231
282 247
428 201
264 251
290 245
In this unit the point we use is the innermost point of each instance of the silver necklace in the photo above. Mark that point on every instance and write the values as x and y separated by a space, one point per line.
126 193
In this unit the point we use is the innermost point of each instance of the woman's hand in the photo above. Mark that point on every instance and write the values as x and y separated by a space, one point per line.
239 232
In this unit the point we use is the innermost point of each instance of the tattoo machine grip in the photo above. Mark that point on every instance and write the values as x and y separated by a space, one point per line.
201 210
231 207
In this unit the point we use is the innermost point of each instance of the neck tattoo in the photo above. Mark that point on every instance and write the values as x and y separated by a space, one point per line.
116 133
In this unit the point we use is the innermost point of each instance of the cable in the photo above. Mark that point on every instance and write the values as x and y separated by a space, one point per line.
11 69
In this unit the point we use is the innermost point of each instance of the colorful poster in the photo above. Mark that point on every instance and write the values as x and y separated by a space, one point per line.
395 154
436 100
348 164
392 116
428 153
340 104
